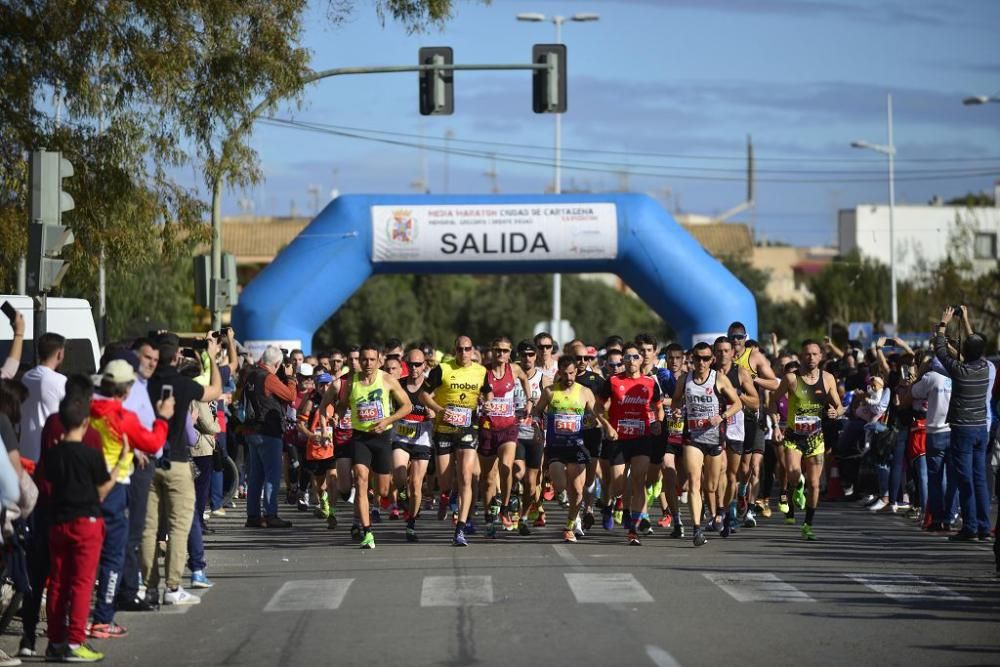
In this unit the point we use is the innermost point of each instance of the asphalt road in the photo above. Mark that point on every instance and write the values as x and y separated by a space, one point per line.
873 590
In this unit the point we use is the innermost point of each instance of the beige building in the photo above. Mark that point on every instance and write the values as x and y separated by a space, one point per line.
790 269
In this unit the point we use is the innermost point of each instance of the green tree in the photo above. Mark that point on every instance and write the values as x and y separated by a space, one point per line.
146 88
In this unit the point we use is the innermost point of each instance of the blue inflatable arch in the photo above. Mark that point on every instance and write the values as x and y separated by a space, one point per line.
357 236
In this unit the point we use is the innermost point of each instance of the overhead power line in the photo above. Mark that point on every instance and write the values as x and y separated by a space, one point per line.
651 170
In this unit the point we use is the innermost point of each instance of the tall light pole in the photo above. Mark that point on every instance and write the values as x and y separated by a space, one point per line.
557 173
888 150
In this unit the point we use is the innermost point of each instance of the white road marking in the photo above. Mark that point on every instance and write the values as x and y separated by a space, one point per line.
464 591
756 587
600 588
566 554
905 587
309 595
660 657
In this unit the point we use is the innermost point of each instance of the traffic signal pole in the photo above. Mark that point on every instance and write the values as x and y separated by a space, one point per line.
220 299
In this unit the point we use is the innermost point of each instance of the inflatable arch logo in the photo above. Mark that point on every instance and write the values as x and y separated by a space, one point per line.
357 236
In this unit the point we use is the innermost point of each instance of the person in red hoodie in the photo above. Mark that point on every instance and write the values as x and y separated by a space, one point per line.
121 432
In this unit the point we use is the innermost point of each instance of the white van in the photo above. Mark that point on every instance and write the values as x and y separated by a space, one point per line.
71 318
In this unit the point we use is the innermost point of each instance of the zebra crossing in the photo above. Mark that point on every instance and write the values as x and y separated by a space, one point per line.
604 588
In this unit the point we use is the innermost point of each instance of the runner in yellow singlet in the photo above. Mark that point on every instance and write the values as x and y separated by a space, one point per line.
452 391
812 394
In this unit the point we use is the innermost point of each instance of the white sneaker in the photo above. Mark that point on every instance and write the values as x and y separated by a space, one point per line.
683 498
848 490
8 661
879 505
180 596
868 500
899 507
578 527
351 499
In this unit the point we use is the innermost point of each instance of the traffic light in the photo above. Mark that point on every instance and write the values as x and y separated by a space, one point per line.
549 84
437 87
47 236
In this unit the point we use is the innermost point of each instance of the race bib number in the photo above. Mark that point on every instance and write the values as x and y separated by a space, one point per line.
631 427
407 429
675 431
455 415
345 422
567 422
807 425
319 433
699 424
370 412
499 407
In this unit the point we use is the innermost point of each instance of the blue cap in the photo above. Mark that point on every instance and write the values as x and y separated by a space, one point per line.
324 378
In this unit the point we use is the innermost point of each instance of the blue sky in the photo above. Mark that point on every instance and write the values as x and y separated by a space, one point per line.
668 91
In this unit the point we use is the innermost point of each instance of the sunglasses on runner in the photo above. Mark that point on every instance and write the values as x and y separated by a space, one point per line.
584 358
738 337
463 348
707 359
526 353
501 350
632 357
546 347
415 364
614 365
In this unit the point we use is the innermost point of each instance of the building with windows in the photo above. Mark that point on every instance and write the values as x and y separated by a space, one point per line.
924 235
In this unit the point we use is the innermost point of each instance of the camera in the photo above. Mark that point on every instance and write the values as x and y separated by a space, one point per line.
221 333
194 343
957 311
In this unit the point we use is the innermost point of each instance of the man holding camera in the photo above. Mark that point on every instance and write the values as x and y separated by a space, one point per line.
173 481
967 415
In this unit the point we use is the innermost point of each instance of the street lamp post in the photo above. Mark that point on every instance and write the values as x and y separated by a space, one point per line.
888 150
557 172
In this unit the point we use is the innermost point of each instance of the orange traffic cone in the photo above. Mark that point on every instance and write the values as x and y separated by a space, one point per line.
834 490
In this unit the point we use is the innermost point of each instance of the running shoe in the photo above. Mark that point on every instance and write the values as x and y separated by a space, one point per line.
869 499
506 521
727 526
683 498
578 527
331 522
645 528
878 506
783 504
563 499
569 536
442 507
82 653
303 503
106 631
384 502
470 528
540 521
403 496
789 520
491 530
800 493
607 519
523 530
749 521
699 537
375 515
765 508
588 520
665 521
633 539
899 507
356 533
459 539
323 511
56 652
199 580
411 535
548 493
807 532
394 514
368 541
532 512
515 505
678 531
453 503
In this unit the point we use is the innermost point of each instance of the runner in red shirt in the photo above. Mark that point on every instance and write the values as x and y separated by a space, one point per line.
635 414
